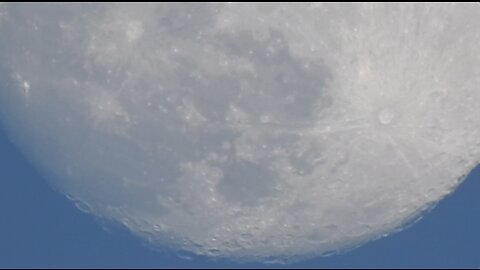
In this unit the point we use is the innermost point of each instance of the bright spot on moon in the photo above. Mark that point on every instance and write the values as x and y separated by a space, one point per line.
385 116
244 131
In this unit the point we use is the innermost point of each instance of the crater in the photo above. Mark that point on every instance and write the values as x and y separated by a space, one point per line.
386 116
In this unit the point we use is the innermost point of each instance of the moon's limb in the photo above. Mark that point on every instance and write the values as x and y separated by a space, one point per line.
246 131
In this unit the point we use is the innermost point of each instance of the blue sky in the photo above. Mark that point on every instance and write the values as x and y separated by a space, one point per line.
41 228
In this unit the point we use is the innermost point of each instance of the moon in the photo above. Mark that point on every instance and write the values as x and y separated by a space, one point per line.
250 132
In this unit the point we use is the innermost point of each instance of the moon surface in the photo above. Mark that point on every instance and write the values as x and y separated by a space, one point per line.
251 132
